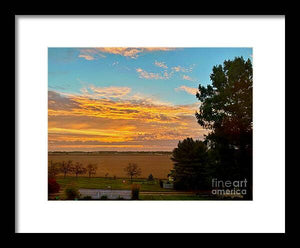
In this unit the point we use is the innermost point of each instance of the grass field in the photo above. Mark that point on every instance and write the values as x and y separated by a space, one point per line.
150 190
105 183
113 163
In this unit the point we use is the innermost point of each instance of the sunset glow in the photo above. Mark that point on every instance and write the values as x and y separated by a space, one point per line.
127 99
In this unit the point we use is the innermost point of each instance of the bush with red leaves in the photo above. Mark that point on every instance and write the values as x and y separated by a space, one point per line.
53 186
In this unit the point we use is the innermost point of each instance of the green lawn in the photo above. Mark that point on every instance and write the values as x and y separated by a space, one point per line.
104 183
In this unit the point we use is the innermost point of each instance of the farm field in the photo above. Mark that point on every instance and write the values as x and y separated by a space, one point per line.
112 164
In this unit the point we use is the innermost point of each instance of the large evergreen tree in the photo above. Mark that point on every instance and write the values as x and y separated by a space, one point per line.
226 110
190 165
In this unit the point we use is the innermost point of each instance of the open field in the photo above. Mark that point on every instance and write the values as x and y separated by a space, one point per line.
113 163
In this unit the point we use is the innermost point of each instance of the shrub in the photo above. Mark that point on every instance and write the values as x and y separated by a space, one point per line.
150 177
135 190
72 193
161 183
53 186
104 197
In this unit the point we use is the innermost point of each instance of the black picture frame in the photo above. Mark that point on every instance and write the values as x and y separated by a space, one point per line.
12 112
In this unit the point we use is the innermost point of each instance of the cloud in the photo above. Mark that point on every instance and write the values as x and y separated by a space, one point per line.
152 49
131 52
90 54
124 51
166 73
183 69
105 92
186 77
57 101
161 64
136 108
187 89
84 122
87 57
151 75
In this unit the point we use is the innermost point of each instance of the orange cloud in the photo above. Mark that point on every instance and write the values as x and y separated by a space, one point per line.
87 57
186 77
151 49
187 89
81 121
131 52
124 51
90 54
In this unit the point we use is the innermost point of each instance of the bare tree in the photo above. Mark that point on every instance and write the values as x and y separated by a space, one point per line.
53 169
78 169
91 169
133 170
66 167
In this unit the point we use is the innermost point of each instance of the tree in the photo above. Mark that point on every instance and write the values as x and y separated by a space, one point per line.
150 177
53 169
91 169
226 110
66 167
190 165
133 170
78 169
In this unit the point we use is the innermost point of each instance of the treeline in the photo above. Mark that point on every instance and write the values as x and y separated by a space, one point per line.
68 167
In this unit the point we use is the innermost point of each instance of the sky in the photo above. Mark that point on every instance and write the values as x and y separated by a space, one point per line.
127 99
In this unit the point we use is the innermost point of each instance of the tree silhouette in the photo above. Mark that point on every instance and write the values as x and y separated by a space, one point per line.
190 165
53 169
91 169
78 169
226 110
132 170
66 167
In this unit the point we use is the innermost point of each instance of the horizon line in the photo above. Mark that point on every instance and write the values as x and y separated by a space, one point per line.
111 151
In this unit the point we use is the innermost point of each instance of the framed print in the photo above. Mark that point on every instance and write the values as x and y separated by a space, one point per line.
133 123
131 119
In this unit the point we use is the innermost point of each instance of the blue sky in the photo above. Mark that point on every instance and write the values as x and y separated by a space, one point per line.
166 78
69 73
